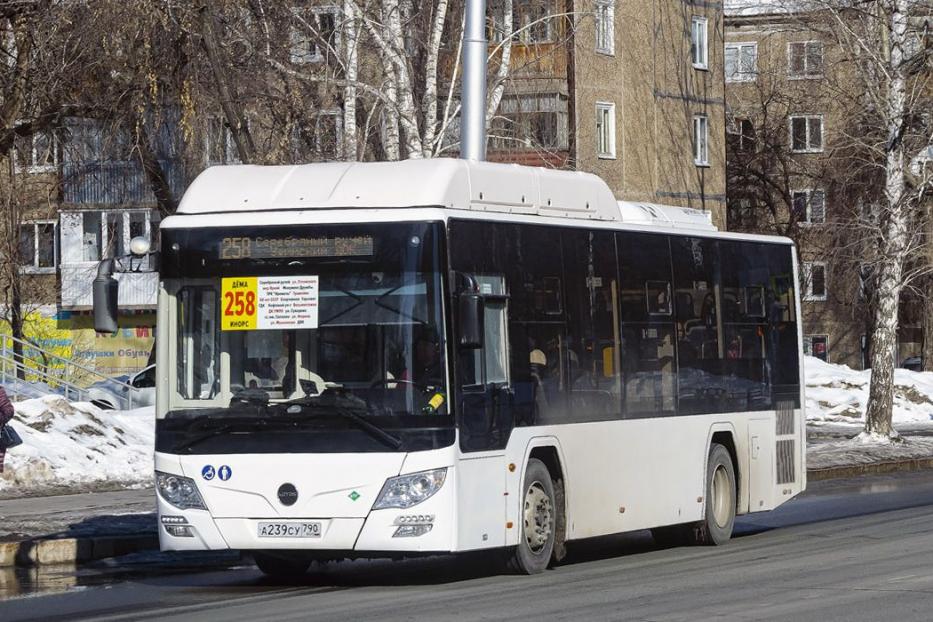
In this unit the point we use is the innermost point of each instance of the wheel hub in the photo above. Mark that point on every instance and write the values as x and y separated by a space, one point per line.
721 496
537 517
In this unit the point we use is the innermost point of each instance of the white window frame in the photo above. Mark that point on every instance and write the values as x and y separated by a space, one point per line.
808 118
31 166
699 28
606 111
701 140
808 294
35 268
124 230
734 128
808 344
808 213
299 37
806 74
739 75
605 27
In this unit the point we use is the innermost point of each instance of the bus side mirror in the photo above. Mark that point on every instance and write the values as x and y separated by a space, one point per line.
105 291
471 321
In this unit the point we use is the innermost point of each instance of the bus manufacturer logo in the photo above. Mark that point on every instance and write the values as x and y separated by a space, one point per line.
288 494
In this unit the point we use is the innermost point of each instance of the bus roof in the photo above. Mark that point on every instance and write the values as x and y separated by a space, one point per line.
441 182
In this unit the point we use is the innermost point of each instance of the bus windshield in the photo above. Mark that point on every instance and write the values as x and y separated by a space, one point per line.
275 314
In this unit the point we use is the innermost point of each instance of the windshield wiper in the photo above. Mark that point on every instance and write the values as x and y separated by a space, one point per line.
329 403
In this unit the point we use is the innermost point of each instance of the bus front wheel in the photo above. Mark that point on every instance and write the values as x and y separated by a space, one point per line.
716 527
539 517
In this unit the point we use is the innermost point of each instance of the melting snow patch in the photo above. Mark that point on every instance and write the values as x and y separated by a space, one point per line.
77 445
836 393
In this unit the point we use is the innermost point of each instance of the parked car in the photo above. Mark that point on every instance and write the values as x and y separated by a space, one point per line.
114 395
913 363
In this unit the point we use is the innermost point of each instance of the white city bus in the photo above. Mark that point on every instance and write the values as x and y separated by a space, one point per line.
391 359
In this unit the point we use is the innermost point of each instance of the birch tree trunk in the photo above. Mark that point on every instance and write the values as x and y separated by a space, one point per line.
895 233
350 37
498 85
429 103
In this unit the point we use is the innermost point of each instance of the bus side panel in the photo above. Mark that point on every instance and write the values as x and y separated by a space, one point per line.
481 502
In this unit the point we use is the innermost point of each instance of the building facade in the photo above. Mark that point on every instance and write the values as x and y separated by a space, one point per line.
797 116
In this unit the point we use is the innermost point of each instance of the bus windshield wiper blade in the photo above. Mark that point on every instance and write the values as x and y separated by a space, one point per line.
315 408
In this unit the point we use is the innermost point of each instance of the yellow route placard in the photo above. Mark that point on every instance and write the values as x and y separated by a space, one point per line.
239 303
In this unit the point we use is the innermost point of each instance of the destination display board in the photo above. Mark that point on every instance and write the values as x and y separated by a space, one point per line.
269 303
267 247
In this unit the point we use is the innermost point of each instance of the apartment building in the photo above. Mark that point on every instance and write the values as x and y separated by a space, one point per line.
793 119
629 90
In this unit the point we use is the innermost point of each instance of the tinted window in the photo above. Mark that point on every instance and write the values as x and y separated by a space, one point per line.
697 303
648 361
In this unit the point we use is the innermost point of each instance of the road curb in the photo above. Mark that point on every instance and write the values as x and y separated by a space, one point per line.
871 468
44 551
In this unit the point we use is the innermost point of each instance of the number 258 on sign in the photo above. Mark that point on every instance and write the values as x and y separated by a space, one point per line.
238 311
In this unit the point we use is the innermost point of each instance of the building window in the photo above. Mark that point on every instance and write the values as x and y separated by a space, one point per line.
108 234
531 21
741 62
314 34
605 130
809 206
37 251
741 135
530 122
698 43
816 345
814 280
701 140
805 59
605 26
219 144
38 153
806 133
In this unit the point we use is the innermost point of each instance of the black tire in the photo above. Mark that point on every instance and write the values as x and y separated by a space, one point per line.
716 527
538 518
281 565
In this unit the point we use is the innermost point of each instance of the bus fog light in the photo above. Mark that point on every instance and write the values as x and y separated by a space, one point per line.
415 519
405 491
411 531
179 531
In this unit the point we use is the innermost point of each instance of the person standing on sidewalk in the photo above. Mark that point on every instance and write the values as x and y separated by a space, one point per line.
6 413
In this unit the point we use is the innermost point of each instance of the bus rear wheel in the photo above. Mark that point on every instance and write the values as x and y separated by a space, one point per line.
539 518
716 527
281 566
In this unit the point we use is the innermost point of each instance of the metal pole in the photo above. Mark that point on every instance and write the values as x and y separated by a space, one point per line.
473 83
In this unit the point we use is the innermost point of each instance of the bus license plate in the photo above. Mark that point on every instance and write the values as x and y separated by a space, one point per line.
289 530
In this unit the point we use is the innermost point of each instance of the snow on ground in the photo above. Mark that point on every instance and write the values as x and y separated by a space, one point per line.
78 446
836 393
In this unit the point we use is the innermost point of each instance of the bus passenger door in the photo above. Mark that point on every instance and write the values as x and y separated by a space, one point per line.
487 398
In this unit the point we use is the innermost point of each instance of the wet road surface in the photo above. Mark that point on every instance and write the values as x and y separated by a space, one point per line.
846 550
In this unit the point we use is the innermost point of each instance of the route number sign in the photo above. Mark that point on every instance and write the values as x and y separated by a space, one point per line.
265 303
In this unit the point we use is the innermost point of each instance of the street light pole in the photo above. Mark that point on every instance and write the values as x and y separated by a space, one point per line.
473 83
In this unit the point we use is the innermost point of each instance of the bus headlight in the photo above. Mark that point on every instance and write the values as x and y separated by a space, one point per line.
180 491
405 491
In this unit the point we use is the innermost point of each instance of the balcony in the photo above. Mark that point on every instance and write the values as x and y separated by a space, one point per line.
114 183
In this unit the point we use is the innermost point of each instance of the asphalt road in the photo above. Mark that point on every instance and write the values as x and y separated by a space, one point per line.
847 550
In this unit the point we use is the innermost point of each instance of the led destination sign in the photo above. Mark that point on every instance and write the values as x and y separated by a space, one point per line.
292 246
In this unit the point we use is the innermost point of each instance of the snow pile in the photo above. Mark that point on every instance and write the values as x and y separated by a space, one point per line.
77 445
836 393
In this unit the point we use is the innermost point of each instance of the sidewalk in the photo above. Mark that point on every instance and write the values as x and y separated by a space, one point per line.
82 527
76 528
